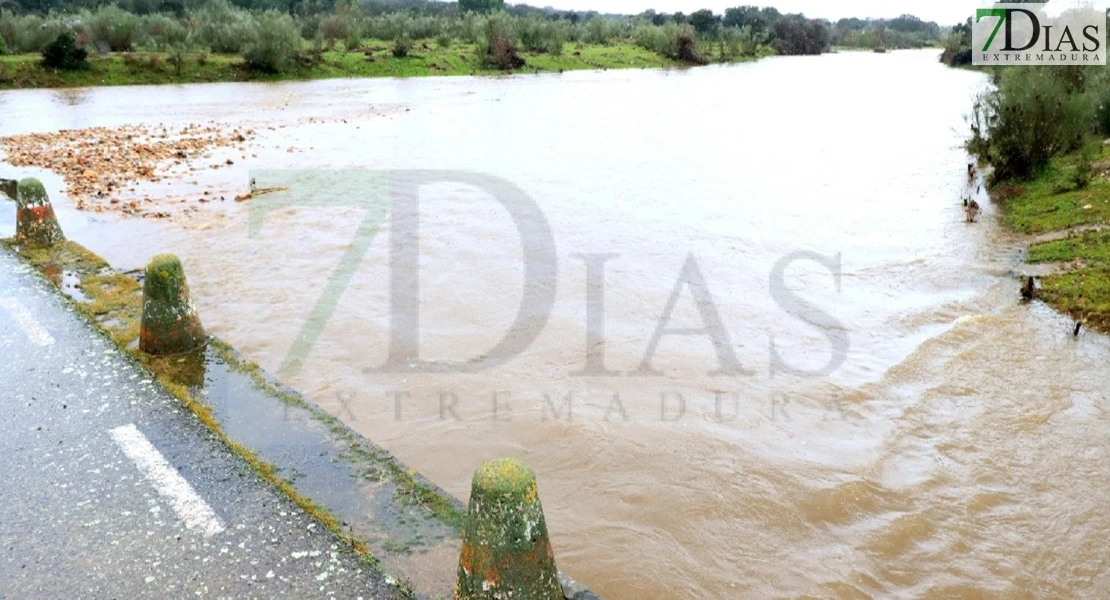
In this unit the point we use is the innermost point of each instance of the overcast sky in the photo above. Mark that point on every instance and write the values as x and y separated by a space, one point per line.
944 12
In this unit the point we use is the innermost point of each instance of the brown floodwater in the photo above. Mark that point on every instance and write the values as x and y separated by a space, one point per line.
895 424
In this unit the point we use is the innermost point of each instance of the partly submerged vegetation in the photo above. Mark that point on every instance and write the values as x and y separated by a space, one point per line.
957 47
1040 129
54 43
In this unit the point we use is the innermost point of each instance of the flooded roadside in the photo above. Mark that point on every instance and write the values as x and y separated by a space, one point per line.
954 451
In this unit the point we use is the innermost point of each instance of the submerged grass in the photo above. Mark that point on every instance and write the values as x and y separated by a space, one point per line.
426 58
1054 201
112 302
377 465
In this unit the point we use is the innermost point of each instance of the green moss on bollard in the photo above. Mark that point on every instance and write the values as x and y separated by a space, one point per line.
35 223
506 552
170 324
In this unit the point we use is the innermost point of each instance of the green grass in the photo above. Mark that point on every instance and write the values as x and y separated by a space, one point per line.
1084 294
1089 247
1051 202
425 59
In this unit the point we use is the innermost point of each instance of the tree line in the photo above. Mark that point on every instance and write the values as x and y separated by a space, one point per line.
236 26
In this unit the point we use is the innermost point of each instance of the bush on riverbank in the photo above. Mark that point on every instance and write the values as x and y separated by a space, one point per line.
498 47
277 43
26 34
957 48
1041 130
113 28
63 53
223 28
1034 114
163 32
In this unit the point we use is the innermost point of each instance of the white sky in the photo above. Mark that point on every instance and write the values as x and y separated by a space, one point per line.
944 12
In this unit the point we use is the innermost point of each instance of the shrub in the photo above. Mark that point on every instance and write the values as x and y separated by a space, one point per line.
1084 171
531 35
115 28
443 40
164 31
1029 118
471 27
686 47
543 36
655 39
3 47
177 59
225 29
310 26
335 28
498 48
277 44
63 53
391 27
750 41
730 42
598 31
401 46
25 34
353 40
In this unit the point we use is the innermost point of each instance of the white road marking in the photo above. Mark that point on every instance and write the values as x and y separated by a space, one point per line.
35 332
190 507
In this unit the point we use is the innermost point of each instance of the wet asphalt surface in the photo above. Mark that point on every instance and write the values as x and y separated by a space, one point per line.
79 518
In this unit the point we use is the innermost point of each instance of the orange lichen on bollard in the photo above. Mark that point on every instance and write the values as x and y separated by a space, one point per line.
170 324
506 551
35 223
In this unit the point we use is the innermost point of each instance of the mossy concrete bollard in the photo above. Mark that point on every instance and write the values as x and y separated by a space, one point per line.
35 223
506 552
170 324
8 187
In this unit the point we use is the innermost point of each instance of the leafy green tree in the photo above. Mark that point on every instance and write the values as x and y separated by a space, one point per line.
703 21
794 34
734 17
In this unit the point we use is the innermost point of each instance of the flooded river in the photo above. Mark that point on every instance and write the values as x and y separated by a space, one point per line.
793 370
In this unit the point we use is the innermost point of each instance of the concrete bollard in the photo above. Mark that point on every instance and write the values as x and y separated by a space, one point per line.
170 324
8 187
35 223
506 552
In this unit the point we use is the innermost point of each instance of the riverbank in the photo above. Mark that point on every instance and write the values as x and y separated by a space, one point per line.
426 58
1073 225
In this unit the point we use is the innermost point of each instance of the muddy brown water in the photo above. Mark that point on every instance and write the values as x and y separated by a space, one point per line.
959 450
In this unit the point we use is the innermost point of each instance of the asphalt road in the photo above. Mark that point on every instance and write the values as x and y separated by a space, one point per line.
110 489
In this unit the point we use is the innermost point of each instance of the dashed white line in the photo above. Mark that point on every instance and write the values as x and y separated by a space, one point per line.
35 332
189 506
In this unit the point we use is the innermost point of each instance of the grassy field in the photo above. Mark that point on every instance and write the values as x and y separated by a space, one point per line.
1053 202
425 59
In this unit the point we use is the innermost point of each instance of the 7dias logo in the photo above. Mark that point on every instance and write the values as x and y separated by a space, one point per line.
1011 33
